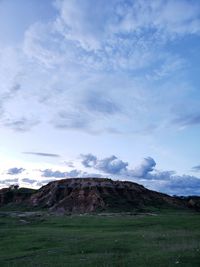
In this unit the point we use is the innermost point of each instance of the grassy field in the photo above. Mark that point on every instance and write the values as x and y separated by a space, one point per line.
163 240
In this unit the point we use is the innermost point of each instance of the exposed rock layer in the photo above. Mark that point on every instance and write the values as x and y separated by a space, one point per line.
96 194
84 195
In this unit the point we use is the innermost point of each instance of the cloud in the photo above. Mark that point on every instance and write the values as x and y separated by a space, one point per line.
88 160
92 65
8 182
111 35
172 64
42 154
74 174
196 168
9 70
180 185
9 93
160 175
110 165
14 171
60 174
44 182
28 181
166 181
72 120
185 185
115 166
21 124
96 25
187 120
86 33
69 164
96 102
145 167
171 183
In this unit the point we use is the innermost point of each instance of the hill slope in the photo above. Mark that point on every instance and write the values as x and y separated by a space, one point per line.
84 195
13 194
96 194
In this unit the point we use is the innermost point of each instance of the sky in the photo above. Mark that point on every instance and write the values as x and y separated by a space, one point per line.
100 89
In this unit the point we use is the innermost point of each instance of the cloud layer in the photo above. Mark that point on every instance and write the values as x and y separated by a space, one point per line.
119 71
77 66
42 154
144 173
196 168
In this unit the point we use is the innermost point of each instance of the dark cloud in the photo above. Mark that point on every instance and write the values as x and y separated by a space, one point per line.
181 185
10 93
44 182
20 125
160 175
14 180
88 160
8 182
69 164
59 174
71 120
89 111
29 181
171 183
42 154
97 102
187 120
196 168
14 171
51 173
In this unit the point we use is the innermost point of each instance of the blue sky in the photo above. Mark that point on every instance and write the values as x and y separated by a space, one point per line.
106 89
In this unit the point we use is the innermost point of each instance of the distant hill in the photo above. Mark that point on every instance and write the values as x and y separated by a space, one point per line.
15 195
85 195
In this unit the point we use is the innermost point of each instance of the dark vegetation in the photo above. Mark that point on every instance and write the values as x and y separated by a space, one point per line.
14 197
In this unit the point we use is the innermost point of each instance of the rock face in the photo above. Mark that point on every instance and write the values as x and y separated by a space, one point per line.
85 195
80 195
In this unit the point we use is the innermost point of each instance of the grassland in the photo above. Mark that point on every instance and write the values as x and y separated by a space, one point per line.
38 240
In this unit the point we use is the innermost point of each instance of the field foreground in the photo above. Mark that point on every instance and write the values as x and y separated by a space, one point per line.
39 240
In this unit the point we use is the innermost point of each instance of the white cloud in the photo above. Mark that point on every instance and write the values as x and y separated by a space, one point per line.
144 173
97 60
93 26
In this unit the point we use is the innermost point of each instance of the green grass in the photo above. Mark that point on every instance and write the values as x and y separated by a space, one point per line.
165 240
